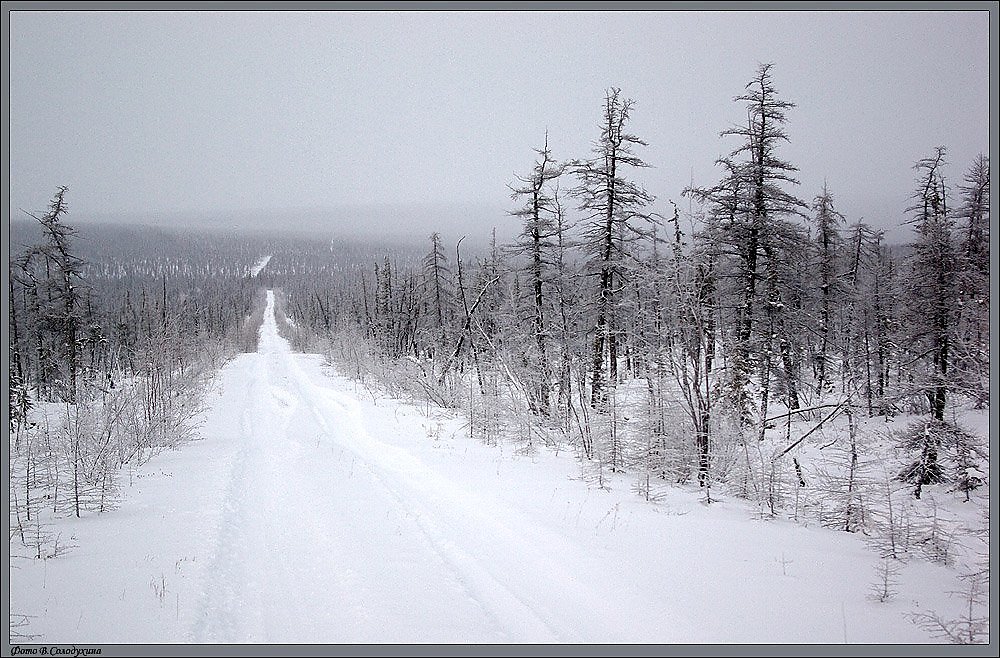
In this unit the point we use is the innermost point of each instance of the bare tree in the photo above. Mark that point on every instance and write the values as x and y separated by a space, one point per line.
972 348
63 280
614 205
828 247
932 300
438 291
538 215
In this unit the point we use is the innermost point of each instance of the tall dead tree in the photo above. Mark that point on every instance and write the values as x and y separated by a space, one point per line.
827 249
933 304
63 280
538 216
753 229
437 292
974 318
614 206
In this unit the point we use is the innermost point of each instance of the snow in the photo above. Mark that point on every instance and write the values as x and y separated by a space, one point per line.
312 512
260 265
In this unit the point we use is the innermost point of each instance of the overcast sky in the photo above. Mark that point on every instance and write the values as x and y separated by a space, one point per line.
152 113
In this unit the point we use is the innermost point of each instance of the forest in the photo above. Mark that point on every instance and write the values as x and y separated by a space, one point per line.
745 339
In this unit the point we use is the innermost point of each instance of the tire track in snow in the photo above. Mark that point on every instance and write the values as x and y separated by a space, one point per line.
512 614
291 559
233 601
298 524
407 481
291 374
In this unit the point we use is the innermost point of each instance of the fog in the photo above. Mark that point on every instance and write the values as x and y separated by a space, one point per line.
407 122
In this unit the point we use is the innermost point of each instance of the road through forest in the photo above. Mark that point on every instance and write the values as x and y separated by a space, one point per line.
330 533
312 510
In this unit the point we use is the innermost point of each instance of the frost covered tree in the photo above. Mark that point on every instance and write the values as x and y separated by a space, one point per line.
975 213
614 206
932 299
754 231
566 311
19 399
828 247
438 294
55 274
535 242
764 174
932 290
973 234
693 360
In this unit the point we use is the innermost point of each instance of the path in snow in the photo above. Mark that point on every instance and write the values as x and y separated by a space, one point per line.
311 513
260 265
316 540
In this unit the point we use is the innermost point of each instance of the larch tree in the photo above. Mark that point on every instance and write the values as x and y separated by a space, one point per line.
437 291
828 245
535 241
752 227
975 212
933 304
764 173
614 205
932 290
62 313
974 235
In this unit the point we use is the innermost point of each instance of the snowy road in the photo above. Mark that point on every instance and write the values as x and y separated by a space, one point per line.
329 533
314 512
260 265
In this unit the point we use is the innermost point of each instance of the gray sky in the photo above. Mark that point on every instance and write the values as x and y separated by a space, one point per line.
156 113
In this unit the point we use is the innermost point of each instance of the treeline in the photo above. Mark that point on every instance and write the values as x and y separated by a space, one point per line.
113 333
671 341
714 345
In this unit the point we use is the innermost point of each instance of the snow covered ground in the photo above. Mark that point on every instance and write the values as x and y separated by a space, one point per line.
260 265
314 512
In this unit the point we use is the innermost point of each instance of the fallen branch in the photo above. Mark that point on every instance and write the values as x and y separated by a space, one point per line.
814 428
